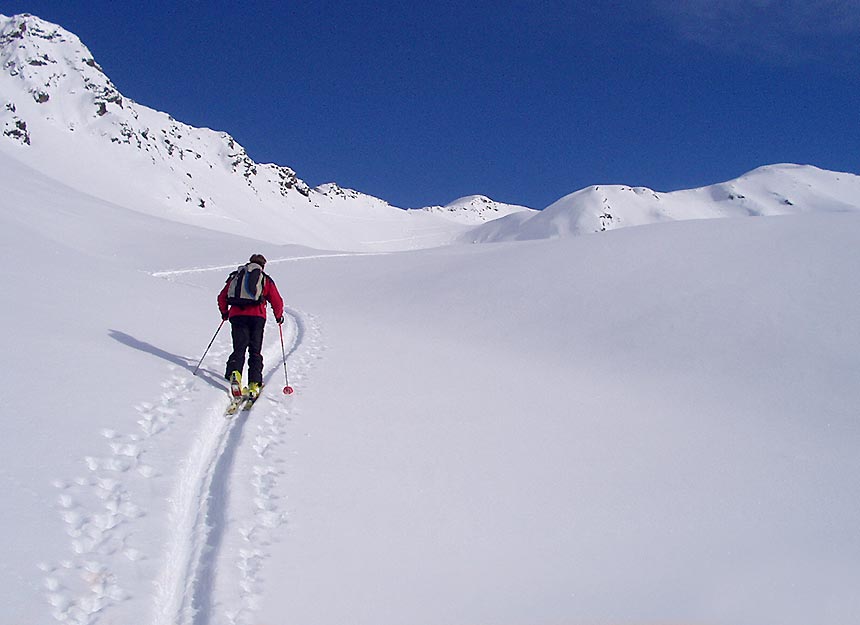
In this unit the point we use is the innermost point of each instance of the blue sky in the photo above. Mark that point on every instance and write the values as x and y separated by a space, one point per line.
421 103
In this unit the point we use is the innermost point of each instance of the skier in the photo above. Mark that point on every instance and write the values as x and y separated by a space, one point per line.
243 301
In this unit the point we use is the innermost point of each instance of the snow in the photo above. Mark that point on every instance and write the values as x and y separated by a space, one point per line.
785 189
477 209
621 424
651 424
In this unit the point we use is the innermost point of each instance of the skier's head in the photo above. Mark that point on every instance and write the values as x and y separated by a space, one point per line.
259 259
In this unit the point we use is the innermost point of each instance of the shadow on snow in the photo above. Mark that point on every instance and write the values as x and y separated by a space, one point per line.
212 378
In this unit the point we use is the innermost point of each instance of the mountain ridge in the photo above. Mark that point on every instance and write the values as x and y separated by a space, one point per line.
770 190
61 114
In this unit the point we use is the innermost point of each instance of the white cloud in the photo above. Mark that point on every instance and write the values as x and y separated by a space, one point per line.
770 30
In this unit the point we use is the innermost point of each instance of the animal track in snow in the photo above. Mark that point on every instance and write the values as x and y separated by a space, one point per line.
98 511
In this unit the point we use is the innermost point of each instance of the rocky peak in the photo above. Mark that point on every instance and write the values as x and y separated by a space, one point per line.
52 86
50 62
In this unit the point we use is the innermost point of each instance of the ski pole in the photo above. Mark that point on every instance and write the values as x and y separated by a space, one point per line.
288 390
207 348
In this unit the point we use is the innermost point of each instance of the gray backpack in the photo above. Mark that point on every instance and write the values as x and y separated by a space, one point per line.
246 286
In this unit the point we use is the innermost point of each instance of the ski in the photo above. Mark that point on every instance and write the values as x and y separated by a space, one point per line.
244 402
235 403
250 399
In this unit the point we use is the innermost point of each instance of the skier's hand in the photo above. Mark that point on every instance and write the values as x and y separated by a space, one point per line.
280 320
225 316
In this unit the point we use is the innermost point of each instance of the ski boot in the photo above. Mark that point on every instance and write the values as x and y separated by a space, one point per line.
236 384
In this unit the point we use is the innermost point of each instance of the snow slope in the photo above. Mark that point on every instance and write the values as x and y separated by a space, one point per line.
657 425
653 425
767 191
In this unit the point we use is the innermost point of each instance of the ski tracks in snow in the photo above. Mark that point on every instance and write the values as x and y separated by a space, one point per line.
259 529
101 515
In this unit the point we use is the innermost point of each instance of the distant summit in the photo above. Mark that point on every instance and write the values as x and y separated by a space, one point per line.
476 209
767 191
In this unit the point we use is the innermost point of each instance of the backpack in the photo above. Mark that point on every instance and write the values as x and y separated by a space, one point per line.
245 286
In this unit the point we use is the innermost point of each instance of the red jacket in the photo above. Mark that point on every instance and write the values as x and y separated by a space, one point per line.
270 294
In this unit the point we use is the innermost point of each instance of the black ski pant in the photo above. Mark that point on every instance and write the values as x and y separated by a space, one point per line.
247 331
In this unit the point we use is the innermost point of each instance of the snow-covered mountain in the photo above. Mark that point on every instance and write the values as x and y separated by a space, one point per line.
477 209
53 87
767 191
63 116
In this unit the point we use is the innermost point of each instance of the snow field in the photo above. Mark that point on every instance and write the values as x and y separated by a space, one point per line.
503 433
653 425
508 433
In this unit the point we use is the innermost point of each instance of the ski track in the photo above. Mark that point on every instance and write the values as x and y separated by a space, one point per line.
100 514
172 273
